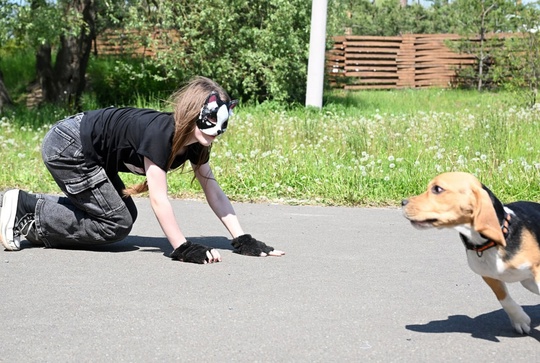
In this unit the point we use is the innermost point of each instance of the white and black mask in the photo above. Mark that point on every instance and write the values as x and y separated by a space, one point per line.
215 115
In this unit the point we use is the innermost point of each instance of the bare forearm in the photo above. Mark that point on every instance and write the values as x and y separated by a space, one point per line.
167 220
224 210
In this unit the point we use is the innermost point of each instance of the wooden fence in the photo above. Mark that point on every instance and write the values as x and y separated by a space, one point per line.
354 62
407 61
135 43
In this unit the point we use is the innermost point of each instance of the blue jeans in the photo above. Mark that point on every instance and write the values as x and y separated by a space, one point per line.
93 210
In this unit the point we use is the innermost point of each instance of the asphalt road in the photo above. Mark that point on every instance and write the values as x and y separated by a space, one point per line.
356 285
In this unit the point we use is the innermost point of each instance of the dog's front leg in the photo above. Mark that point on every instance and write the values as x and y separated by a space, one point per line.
520 320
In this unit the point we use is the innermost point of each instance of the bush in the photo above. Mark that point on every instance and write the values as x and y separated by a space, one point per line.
121 81
256 50
18 68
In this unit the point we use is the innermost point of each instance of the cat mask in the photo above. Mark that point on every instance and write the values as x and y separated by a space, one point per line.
215 115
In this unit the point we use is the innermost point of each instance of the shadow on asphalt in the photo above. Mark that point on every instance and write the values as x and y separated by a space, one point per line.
487 326
148 244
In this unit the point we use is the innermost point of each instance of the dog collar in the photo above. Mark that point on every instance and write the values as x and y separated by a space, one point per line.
479 249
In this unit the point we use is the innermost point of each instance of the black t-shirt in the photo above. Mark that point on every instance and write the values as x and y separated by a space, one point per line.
120 138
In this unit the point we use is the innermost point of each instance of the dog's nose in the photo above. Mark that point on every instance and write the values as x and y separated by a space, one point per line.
404 202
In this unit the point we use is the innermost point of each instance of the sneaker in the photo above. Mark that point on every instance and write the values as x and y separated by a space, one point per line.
15 221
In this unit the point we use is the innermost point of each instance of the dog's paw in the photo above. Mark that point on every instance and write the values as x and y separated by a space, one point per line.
521 322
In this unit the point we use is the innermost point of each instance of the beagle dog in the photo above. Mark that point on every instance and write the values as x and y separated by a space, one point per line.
501 241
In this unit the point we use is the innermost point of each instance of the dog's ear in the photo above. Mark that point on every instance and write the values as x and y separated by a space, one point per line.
485 219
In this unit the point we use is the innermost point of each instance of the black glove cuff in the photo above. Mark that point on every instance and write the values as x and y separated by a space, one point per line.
190 252
249 246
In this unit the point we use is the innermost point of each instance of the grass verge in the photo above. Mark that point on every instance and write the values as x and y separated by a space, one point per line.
362 149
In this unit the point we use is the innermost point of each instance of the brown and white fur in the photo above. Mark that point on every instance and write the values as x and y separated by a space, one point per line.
502 241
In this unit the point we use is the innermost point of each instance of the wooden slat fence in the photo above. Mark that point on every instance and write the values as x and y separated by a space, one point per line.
407 61
354 62
134 43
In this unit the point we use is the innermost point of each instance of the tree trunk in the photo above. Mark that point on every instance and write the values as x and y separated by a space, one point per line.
65 82
5 100
45 75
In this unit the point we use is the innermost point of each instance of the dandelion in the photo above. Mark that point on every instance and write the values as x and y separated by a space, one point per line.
254 153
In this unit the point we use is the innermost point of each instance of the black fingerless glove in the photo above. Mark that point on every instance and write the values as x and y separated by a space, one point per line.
249 246
190 252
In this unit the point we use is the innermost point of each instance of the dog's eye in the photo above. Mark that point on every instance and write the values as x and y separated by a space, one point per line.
436 189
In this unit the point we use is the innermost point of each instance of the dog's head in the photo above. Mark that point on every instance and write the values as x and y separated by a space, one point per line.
452 200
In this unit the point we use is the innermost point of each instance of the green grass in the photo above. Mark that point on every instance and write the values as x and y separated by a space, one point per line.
362 149
18 69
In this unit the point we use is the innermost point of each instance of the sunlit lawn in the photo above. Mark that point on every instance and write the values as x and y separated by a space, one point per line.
366 148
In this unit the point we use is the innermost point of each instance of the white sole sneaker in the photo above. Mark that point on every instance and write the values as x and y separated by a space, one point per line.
7 221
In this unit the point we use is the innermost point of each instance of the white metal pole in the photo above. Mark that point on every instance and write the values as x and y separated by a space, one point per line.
317 49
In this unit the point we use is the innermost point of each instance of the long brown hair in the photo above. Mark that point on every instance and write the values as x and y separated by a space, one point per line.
187 103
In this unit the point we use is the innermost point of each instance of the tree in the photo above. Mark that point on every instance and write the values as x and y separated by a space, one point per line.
69 27
5 99
517 63
477 19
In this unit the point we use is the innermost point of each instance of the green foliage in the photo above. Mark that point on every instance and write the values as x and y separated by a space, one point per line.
6 21
388 18
257 50
517 63
121 80
18 67
38 22
479 19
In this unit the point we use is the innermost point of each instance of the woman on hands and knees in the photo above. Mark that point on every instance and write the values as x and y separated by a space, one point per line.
85 154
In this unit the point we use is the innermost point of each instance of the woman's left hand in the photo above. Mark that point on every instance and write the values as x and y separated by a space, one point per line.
249 246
